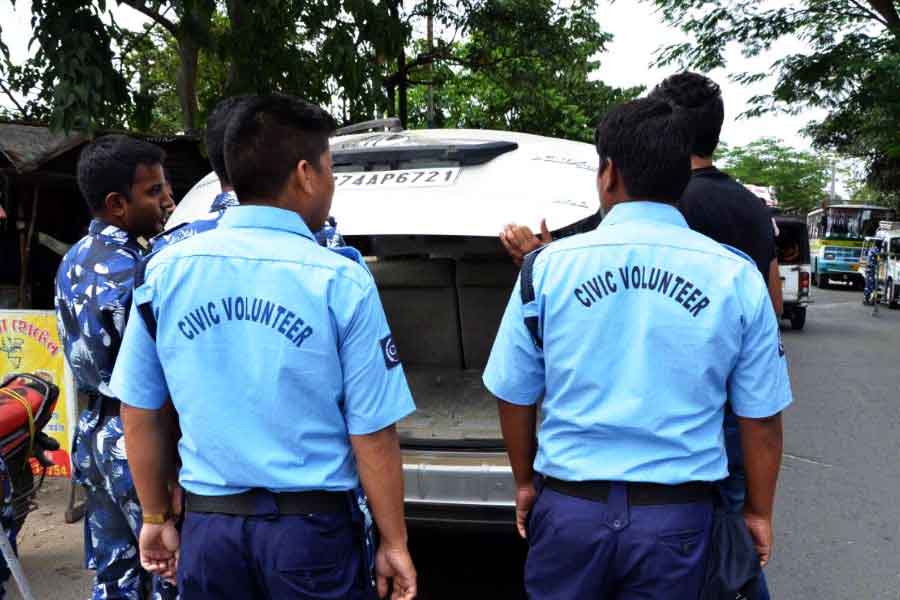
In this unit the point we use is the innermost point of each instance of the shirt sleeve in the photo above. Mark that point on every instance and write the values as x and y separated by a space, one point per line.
759 385
138 378
376 394
515 369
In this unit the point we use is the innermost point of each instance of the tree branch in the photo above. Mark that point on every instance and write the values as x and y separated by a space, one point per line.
868 13
9 94
156 16
886 9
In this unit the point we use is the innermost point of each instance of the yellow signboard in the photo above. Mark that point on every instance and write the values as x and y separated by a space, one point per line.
29 343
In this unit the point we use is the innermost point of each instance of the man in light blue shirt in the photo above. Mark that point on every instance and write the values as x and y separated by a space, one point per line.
634 335
279 361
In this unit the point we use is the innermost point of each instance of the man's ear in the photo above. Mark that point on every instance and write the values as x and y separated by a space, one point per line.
612 176
303 172
115 203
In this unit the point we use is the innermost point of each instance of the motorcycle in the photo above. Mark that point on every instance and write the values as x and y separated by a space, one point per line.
27 403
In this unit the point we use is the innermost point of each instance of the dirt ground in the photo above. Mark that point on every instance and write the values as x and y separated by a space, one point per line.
52 552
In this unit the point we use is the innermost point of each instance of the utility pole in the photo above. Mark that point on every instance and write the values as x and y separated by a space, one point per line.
833 178
430 114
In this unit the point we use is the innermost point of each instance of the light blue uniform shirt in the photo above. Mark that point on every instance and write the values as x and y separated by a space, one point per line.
648 327
272 348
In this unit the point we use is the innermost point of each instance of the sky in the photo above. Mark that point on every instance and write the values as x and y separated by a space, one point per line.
638 33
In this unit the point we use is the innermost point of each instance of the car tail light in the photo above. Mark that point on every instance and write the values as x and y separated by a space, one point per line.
804 284
829 256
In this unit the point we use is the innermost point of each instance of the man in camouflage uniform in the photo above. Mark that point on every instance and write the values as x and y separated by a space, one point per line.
872 257
123 182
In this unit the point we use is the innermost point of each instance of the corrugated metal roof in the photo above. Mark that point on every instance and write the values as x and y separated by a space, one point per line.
27 147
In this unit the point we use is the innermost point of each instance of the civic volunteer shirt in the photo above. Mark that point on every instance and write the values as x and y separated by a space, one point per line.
719 207
272 348
647 327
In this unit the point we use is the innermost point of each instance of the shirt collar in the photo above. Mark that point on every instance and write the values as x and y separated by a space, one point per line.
110 234
642 210
265 217
224 200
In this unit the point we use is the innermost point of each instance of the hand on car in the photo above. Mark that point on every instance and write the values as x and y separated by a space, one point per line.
519 240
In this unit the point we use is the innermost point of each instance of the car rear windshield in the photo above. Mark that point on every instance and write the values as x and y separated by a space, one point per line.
792 243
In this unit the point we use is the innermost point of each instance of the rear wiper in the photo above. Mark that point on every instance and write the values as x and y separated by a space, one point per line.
464 155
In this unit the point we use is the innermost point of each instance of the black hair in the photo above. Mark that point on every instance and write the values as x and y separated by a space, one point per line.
108 165
649 141
701 98
216 124
267 136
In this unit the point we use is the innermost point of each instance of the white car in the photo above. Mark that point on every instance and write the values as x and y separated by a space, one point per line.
425 208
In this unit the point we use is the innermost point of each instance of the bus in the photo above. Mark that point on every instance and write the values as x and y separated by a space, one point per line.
836 235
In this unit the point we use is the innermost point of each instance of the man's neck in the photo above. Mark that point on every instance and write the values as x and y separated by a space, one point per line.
226 188
114 221
700 162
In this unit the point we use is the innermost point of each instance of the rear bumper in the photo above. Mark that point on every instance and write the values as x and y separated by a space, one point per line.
458 488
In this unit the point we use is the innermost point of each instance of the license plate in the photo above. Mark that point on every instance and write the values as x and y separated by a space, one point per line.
404 178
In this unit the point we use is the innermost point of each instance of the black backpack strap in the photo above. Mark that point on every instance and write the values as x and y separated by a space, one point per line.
526 291
145 309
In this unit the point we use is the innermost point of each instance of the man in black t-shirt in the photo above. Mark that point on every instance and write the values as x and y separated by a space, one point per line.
713 203
719 207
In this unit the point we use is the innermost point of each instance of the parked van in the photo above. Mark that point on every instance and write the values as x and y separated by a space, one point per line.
792 251
425 208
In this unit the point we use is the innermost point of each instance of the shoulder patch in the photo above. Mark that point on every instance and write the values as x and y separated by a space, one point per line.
389 351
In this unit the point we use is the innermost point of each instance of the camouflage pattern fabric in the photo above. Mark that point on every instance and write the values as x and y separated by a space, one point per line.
93 294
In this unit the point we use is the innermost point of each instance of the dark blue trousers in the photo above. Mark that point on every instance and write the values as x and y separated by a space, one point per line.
587 550
271 557
734 487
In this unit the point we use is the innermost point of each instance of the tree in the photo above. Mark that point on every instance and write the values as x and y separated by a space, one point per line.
799 178
525 65
528 65
852 68
71 80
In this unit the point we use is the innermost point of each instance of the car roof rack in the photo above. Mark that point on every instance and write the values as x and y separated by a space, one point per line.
389 124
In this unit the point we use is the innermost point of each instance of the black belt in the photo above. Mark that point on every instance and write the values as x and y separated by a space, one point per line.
254 502
639 494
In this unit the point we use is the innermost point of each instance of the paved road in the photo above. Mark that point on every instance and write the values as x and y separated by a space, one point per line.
838 512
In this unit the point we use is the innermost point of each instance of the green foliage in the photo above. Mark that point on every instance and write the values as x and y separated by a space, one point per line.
526 65
851 68
798 177
72 77
149 60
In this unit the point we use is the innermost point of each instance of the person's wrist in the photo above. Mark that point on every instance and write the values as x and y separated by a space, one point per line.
395 544
525 482
156 518
750 511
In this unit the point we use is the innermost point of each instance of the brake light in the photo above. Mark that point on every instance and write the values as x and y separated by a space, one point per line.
829 256
804 284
